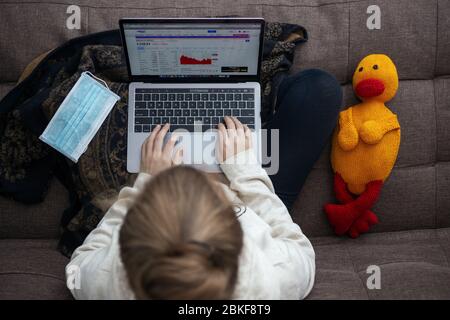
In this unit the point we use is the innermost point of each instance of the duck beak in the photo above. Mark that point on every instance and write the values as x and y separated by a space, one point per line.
369 88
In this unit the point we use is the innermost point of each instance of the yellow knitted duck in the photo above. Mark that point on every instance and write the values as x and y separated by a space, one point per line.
364 147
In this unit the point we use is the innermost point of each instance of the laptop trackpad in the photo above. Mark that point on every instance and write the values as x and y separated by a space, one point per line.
198 149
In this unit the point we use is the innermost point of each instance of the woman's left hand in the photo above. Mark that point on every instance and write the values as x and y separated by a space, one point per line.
233 138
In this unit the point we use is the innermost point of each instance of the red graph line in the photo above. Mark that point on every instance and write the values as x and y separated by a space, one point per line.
188 60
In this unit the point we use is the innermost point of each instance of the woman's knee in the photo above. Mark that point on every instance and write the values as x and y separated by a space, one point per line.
322 85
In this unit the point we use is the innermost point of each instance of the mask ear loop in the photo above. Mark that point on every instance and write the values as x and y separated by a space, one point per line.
101 80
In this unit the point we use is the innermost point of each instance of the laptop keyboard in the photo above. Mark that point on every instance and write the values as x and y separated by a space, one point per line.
192 109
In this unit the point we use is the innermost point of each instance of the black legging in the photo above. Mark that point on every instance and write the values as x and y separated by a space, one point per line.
308 105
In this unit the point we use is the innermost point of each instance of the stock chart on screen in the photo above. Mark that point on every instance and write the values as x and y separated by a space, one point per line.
176 49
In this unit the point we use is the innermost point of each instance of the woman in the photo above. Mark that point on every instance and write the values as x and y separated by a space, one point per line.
176 234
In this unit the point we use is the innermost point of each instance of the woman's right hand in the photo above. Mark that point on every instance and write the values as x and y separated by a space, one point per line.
154 156
233 138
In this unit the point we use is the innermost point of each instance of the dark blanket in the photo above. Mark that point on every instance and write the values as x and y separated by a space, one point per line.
27 164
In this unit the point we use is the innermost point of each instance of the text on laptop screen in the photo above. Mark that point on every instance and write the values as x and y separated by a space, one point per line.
193 49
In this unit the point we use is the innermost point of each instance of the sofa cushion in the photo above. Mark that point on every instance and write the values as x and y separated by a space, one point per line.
327 30
442 96
408 201
42 220
443 38
46 21
416 195
338 33
413 265
32 269
404 25
443 194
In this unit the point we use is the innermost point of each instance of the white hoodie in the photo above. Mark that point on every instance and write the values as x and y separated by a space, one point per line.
277 260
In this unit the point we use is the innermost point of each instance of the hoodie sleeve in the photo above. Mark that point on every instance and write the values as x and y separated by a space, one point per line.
97 262
286 249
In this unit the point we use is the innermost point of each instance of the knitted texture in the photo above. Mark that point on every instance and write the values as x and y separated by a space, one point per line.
366 142
353 216
364 147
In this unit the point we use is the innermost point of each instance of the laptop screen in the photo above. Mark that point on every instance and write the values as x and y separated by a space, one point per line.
173 49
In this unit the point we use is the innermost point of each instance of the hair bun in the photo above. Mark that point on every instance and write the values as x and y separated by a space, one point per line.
209 250
198 248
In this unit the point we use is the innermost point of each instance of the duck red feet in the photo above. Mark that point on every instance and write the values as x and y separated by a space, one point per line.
353 216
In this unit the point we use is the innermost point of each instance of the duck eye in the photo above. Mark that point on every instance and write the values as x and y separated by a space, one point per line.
375 67
360 69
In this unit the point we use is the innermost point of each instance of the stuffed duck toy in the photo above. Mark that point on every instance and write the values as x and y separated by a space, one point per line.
364 147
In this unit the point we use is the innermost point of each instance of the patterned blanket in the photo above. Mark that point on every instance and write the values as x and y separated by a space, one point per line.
27 165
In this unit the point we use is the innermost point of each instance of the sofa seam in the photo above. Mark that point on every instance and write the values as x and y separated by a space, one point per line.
436 198
417 166
87 20
405 167
334 270
309 6
347 76
31 273
437 38
436 156
97 7
356 272
375 233
406 261
196 7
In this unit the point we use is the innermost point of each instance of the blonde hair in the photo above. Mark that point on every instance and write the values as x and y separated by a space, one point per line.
181 239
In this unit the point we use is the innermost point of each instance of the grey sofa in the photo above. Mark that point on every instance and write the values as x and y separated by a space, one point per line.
411 244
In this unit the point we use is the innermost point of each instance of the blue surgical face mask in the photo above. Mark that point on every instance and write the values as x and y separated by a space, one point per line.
79 116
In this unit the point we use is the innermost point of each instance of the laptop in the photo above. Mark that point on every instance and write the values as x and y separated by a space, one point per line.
192 73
